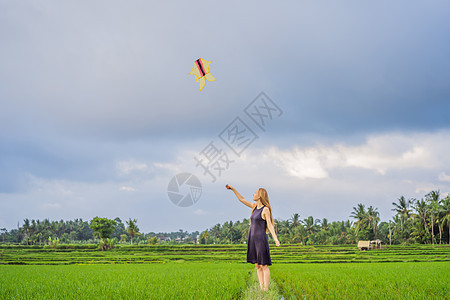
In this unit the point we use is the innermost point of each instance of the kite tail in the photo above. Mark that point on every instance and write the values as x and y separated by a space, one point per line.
202 82
209 77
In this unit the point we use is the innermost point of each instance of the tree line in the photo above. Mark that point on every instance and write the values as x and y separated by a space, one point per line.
424 221
79 231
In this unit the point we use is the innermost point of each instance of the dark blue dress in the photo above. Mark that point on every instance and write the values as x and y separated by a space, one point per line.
258 245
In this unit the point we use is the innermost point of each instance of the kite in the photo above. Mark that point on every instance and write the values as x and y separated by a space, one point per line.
201 72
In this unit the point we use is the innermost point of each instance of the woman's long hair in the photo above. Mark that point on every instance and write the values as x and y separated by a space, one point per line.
264 197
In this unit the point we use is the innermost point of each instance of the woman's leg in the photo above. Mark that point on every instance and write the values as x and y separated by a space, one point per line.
266 272
260 273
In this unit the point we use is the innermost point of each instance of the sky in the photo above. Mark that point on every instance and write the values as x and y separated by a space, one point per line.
99 112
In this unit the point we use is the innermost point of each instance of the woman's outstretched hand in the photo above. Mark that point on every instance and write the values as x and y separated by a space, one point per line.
239 196
277 242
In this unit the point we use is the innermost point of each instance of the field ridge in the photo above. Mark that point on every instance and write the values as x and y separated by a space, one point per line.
76 254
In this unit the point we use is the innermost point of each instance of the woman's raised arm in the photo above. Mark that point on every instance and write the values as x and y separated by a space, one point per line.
239 196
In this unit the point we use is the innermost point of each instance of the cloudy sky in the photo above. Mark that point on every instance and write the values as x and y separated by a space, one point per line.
98 112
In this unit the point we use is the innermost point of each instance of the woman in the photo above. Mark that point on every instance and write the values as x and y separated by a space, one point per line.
261 222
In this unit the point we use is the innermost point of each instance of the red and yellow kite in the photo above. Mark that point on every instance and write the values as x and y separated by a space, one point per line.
201 72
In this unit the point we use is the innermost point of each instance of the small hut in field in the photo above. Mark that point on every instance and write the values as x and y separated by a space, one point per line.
364 245
376 244
367 245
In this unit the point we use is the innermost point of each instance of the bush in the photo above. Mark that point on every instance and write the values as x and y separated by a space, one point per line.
108 244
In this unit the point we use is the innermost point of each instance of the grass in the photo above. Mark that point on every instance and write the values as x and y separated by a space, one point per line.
147 281
217 253
253 291
364 280
220 272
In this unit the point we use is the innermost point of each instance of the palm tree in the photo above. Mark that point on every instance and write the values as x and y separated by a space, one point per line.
433 200
47 229
215 232
283 230
300 233
440 224
359 213
418 232
347 234
26 228
325 224
396 230
228 227
4 232
243 228
402 208
132 229
422 212
446 210
284 227
373 219
310 225
295 220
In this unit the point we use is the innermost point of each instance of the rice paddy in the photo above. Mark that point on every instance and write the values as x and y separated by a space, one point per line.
220 272
366 280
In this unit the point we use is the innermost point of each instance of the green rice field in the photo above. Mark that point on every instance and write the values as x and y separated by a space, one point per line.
88 254
125 281
366 280
220 272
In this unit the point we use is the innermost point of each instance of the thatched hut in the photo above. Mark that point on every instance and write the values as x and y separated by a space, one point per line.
367 245
364 245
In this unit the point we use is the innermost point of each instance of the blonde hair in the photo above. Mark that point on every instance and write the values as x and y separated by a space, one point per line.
264 198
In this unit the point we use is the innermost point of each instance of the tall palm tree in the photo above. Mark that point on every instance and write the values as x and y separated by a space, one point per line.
284 227
132 229
403 209
228 227
359 213
446 211
397 232
244 229
4 232
440 224
373 219
418 232
325 224
26 229
422 211
215 232
310 225
295 220
433 200
300 234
